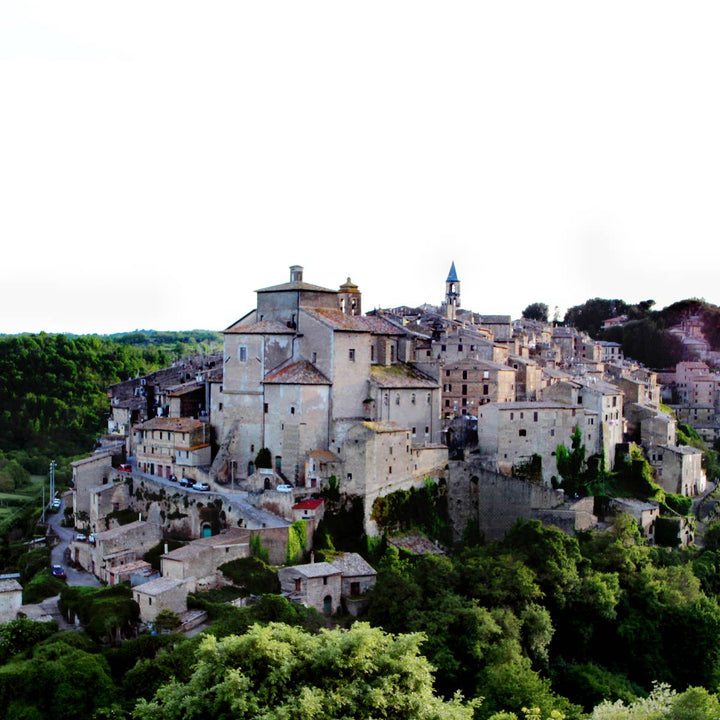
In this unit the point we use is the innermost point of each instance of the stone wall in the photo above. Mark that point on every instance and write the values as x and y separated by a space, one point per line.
495 502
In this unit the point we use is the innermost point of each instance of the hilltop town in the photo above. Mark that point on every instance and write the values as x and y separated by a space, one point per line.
311 398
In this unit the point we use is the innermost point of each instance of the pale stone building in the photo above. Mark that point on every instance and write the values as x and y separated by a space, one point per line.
87 473
10 599
305 367
317 585
509 434
167 446
161 594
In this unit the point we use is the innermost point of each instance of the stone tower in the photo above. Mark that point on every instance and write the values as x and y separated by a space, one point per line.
349 298
452 293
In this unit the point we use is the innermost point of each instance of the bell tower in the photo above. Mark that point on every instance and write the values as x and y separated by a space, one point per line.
452 293
349 298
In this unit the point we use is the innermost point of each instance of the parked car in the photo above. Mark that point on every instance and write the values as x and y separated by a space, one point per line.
185 482
173 478
201 486
125 467
81 537
58 572
284 488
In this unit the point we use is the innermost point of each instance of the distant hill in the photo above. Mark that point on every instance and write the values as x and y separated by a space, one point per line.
644 336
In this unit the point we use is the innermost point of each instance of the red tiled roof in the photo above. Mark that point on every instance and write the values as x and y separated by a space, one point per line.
309 504
299 373
338 320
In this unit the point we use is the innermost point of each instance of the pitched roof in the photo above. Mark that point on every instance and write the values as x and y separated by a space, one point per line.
324 456
301 372
351 564
400 376
337 320
262 327
313 570
181 424
452 275
309 504
295 286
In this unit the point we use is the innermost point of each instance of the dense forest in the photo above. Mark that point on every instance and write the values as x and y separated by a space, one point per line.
644 336
53 388
538 626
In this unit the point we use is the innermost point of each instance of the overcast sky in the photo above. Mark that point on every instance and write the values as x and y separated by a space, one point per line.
160 161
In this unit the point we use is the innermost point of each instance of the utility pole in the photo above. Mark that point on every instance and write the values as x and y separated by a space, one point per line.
52 480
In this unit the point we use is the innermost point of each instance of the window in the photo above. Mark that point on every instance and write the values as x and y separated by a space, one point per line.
292 409
427 429
397 398
486 389
351 354
265 408
535 417
414 429
447 373
325 580
552 432
314 358
242 353
464 389
412 398
429 398
522 432
464 374
220 406
460 348
443 348
390 470
372 353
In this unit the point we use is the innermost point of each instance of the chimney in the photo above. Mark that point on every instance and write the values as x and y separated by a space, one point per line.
296 273
166 548
312 556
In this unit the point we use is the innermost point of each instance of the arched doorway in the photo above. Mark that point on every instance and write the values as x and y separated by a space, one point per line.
327 604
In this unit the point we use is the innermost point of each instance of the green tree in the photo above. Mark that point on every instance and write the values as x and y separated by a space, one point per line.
278 671
536 311
570 463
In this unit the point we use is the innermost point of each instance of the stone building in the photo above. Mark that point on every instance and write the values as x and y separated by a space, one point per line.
10 599
87 473
304 368
161 594
167 446
317 585
509 434
468 384
679 469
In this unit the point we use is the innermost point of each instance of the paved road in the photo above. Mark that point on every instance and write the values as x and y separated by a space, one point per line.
60 553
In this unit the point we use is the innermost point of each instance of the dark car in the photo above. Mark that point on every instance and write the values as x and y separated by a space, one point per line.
58 572
185 482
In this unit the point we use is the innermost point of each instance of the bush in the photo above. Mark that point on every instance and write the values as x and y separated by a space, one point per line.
678 503
42 586
252 574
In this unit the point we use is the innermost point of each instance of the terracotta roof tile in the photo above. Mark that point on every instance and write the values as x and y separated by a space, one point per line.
338 320
299 373
181 424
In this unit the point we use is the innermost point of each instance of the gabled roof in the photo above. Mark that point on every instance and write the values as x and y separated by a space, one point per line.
353 565
313 570
294 287
301 372
337 320
309 504
324 456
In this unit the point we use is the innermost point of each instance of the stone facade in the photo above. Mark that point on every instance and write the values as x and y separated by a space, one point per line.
468 384
161 594
168 446
317 585
88 473
509 434
10 599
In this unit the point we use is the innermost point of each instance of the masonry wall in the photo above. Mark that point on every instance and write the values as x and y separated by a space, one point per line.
494 502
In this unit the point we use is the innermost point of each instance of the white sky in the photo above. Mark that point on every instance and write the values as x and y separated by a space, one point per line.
160 161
